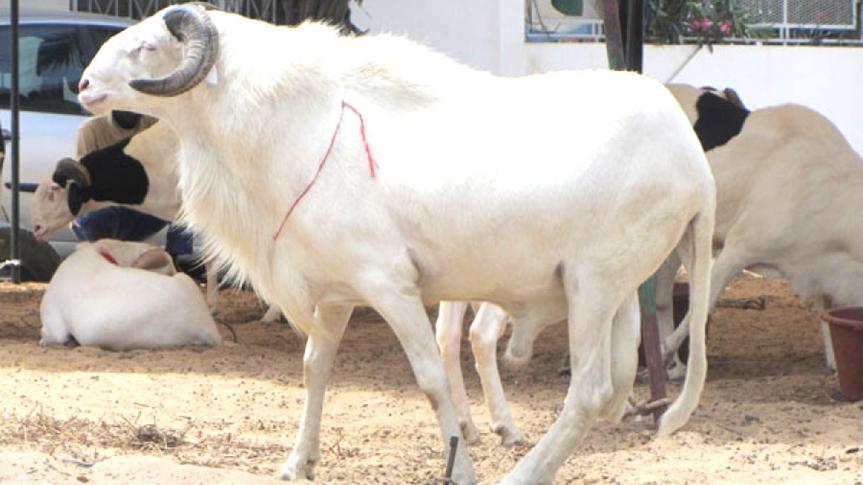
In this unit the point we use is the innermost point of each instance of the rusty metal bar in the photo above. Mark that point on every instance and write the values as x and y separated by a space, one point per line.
652 349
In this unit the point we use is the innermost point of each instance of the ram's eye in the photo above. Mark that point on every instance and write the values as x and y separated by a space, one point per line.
142 46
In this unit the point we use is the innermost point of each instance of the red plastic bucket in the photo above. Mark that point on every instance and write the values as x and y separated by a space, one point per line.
846 333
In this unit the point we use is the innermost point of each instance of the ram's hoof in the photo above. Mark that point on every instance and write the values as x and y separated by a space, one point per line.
298 469
509 435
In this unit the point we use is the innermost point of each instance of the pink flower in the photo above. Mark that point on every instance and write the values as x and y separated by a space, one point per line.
725 27
705 23
695 25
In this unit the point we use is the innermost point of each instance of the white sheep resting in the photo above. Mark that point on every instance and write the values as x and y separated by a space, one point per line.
122 295
424 180
788 188
153 146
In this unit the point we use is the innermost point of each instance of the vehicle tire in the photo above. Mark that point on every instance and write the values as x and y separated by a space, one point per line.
38 259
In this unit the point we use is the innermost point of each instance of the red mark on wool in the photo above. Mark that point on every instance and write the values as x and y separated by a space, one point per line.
105 254
372 164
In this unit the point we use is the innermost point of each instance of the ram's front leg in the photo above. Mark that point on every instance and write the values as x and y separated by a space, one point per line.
321 348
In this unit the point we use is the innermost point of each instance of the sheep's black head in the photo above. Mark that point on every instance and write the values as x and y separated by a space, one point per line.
716 116
720 117
728 94
162 56
73 177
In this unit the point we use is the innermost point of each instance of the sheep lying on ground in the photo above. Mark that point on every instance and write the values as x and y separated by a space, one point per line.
122 295
416 179
788 188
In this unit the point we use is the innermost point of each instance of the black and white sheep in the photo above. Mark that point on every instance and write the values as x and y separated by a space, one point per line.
788 184
123 159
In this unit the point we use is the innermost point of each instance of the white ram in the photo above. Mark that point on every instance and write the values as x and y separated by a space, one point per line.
416 179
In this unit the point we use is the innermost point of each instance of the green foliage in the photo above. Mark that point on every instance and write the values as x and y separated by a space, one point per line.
705 21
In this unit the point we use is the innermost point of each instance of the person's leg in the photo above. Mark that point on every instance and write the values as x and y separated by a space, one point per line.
178 241
116 223
99 224
137 226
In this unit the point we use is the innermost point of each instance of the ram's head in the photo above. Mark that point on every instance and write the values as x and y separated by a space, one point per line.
165 55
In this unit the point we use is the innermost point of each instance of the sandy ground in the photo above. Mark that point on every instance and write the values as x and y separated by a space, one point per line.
228 415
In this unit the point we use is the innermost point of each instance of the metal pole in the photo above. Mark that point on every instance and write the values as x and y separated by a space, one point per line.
16 152
651 342
613 36
635 35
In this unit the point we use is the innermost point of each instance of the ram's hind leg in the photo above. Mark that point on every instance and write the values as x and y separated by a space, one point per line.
730 261
485 331
450 320
592 304
625 336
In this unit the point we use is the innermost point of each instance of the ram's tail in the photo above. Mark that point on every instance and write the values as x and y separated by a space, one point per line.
699 237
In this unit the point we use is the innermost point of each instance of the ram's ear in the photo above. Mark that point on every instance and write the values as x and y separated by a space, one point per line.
126 120
156 260
75 197
731 95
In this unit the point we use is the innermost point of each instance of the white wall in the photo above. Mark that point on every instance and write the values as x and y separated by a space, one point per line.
489 35
467 31
827 79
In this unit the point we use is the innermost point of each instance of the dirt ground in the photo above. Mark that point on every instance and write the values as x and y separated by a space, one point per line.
769 412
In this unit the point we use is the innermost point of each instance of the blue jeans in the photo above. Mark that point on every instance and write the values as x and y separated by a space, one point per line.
125 224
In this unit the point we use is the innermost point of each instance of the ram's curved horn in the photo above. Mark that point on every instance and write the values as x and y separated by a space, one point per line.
192 26
69 170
